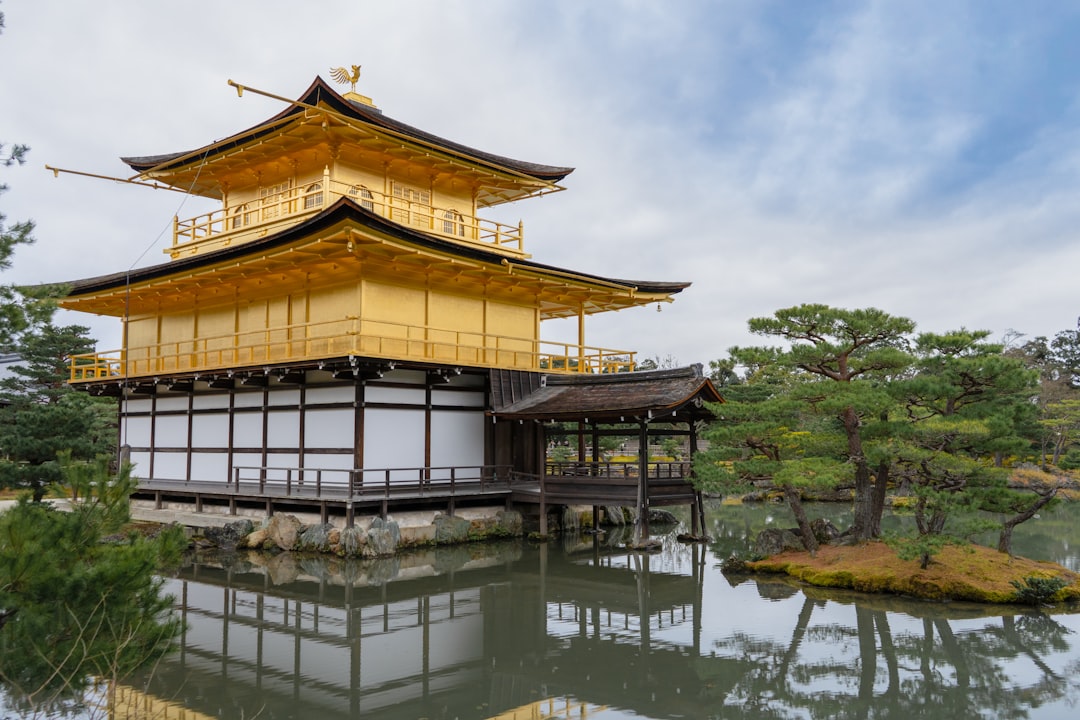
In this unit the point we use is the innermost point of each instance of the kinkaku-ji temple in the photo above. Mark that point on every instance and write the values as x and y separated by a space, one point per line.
346 334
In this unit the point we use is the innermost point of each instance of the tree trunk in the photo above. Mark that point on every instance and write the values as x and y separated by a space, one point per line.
1005 538
794 501
863 525
877 509
1059 445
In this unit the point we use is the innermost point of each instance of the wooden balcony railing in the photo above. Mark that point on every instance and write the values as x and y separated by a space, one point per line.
227 226
349 336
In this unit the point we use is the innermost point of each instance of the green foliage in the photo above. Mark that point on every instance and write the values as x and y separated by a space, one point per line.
856 400
1037 590
41 416
964 403
77 605
814 413
20 308
919 547
1071 460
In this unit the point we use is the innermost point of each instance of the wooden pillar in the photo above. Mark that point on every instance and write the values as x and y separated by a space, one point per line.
581 458
581 337
641 528
699 500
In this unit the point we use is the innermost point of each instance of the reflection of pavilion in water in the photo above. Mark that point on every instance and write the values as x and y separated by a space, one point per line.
502 636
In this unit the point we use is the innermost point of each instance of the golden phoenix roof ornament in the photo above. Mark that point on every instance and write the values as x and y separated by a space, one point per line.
343 76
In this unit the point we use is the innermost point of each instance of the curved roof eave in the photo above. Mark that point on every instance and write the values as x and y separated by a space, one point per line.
345 210
616 397
318 92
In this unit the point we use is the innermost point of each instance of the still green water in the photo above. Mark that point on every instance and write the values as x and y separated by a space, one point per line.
580 628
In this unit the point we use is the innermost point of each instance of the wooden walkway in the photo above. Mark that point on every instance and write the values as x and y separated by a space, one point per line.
346 492
342 491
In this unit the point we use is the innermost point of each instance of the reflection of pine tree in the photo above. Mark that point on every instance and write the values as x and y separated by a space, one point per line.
864 668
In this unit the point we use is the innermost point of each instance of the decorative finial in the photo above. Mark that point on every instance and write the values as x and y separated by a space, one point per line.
343 76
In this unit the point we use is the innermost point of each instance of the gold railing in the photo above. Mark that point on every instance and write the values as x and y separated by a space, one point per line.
350 336
256 218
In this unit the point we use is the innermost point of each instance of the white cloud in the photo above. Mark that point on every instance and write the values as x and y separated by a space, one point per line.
865 155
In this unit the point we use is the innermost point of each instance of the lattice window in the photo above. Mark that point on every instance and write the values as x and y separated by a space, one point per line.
271 198
411 205
240 217
313 196
453 223
366 198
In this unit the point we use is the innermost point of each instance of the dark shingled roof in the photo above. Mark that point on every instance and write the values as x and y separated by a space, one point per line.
619 397
318 92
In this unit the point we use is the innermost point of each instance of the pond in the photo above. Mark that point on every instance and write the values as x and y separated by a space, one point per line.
581 628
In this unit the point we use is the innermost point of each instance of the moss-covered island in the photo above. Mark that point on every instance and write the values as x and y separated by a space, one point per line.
958 572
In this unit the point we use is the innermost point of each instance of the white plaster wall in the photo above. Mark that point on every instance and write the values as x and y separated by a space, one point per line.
135 431
329 428
137 404
321 395
290 396
253 398
397 395
210 431
247 430
170 465
210 466
207 402
283 429
393 438
457 438
171 431
141 461
464 399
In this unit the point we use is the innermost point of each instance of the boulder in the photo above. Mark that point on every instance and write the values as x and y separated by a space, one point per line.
824 531
774 541
282 531
351 542
255 539
315 538
229 536
450 530
661 517
382 538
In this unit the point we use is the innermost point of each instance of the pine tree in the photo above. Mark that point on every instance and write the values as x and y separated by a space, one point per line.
41 416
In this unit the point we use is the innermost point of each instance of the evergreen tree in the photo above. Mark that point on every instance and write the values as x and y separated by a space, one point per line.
79 602
41 416
829 384
854 401
963 405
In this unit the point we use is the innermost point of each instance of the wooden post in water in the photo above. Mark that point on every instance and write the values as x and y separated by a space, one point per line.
641 527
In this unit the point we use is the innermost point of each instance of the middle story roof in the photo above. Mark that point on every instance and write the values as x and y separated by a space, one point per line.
332 246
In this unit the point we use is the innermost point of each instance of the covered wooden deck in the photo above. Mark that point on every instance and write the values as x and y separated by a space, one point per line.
581 410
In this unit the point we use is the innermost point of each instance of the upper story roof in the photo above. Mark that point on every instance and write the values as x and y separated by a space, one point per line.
321 115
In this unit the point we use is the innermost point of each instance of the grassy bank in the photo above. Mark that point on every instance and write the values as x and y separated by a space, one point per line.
970 572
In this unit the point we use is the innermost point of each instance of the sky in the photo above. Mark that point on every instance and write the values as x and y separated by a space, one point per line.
921 157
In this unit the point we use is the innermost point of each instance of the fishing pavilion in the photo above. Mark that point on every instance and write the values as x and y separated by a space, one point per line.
345 331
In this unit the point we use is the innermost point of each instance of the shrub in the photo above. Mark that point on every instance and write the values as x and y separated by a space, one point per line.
1037 590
